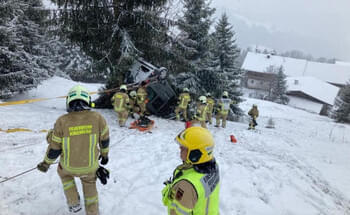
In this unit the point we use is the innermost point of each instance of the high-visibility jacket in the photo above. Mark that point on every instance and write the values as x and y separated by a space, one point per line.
184 99
201 112
141 95
254 112
79 138
224 105
210 104
120 101
132 102
207 188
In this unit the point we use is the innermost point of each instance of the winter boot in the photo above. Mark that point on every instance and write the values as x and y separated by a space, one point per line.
75 208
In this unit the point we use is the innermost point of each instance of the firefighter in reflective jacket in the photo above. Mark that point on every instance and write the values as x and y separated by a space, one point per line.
253 113
80 138
142 98
121 104
134 108
183 101
194 187
210 104
223 109
201 112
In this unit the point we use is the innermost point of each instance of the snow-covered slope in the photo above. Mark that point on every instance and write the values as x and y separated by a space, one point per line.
301 167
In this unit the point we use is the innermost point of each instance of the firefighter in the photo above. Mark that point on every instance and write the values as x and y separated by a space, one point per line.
142 98
80 138
134 108
223 109
183 101
201 112
195 185
121 104
210 104
253 113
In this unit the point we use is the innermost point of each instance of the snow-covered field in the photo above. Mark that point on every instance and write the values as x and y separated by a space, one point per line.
299 168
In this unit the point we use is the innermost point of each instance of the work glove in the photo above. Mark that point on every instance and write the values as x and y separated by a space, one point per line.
165 195
43 166
104 159
102 174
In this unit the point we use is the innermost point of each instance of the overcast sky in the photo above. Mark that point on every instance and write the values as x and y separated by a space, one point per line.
318 27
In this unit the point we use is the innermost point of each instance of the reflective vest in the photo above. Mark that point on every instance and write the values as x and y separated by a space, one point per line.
207 187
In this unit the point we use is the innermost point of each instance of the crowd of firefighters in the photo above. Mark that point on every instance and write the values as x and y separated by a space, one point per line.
81 138
127 104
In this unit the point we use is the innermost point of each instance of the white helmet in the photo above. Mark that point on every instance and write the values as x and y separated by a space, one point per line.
133 93
225 93
123 87
203 99
186 90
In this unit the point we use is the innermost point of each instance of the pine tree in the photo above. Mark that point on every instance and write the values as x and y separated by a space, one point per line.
224 58
342 112
28 52
112 32
279 88
192 46
19 34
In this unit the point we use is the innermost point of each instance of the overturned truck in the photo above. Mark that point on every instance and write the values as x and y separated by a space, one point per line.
160 94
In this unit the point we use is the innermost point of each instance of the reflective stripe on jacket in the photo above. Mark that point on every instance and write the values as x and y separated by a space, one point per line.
184 99
207 187
141 95
82 136
201 112
210 104
224 106
120 101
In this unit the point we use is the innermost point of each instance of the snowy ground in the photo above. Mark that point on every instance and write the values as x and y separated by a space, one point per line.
299 168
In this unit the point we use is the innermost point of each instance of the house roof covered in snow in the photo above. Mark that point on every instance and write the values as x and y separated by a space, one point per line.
313 87
342 63
331 73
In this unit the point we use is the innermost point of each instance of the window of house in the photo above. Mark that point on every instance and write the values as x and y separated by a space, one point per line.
252 81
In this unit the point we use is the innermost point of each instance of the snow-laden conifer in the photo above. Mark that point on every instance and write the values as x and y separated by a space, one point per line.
342 105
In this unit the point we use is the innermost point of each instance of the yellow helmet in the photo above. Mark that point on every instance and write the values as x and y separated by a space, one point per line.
133 93
123 87
199 142
78 93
